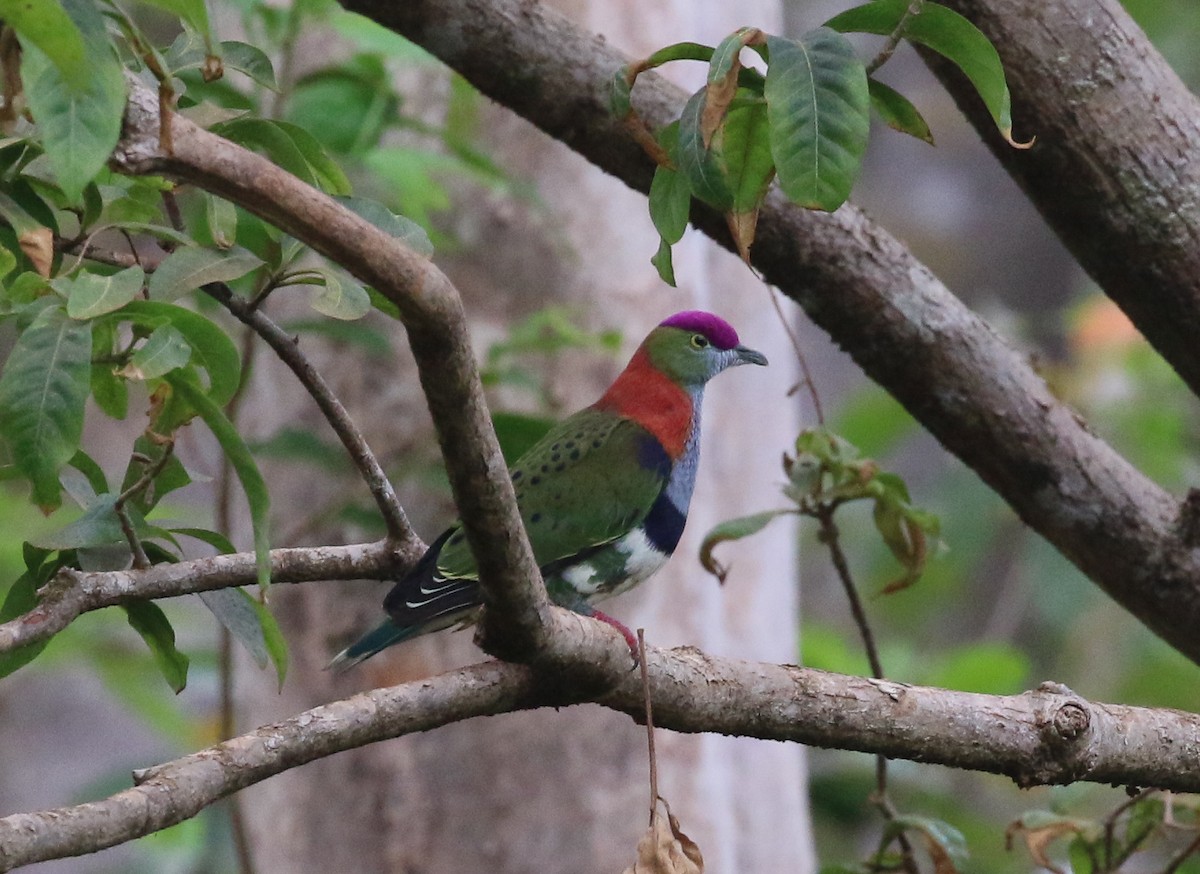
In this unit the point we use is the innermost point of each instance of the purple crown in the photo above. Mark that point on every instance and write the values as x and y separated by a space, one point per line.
718 331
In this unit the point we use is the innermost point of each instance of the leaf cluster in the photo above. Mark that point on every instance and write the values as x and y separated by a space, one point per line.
804 120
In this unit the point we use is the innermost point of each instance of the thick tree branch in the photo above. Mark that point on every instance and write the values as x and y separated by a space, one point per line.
519 621
904 328
1114 169
1049 735
72 593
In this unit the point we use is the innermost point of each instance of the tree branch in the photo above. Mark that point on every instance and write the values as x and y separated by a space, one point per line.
949 368
331 408
1113 170
518 619
72 593
1049 735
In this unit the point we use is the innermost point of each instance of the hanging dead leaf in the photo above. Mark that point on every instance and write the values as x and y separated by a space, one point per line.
665 849
38 246
1038 838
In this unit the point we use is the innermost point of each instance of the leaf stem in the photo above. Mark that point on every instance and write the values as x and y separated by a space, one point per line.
894 37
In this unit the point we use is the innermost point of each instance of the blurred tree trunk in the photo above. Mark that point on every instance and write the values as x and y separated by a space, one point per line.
562 791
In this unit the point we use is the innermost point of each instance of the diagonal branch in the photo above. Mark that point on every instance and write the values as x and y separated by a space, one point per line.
519 621
1048 735
1114 171
952 371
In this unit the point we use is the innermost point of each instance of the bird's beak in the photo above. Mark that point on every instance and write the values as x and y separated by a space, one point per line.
746 355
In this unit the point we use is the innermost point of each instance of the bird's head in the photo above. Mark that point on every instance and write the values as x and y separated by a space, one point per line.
694 346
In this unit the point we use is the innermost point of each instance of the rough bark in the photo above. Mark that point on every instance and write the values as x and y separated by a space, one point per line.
976 394
1048 735
1113 170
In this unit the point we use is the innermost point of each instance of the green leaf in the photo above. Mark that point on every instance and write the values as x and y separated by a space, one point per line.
171 476
380 216
817 105
680 51
188 268
164 350
211 346
663 264
251 60
348 108
733 529
897 111
91 294
340 297
944 843
79 124
194 12
42 393
148 620
251 624
670 193
291 147
670 204
48 27
746 150
98 526
243 465
222 221
21 598
698 162
94 474
518 432
950 35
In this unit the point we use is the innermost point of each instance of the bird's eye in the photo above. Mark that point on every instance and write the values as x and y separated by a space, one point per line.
699 341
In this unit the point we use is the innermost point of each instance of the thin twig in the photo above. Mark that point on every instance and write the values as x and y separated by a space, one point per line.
804 368
140 559
830 537
225 663
1182 856
1110 828
352 439
641 634
894 37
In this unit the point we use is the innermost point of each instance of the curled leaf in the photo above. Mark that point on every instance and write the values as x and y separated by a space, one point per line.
665 849
733 529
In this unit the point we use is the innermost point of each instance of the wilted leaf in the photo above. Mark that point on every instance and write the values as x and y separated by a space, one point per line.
1039 829
723 72
665 849
733 529
699 161
945 844
38 246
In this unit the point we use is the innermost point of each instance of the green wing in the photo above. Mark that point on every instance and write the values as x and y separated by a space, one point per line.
589 481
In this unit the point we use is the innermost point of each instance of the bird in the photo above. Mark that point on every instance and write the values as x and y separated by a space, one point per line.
603 495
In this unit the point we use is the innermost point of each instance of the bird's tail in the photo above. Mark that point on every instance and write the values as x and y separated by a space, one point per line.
376 640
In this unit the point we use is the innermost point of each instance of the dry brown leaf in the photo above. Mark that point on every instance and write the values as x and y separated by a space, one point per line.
665 849
1039 838
38 246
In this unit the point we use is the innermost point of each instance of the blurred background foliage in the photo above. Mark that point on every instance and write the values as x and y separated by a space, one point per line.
997 610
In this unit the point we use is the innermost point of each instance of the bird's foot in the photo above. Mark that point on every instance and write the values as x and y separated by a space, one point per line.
625 633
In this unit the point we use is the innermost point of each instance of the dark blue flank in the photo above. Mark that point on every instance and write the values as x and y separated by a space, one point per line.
664 523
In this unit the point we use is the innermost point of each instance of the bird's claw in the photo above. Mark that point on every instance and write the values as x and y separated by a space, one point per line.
625 633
